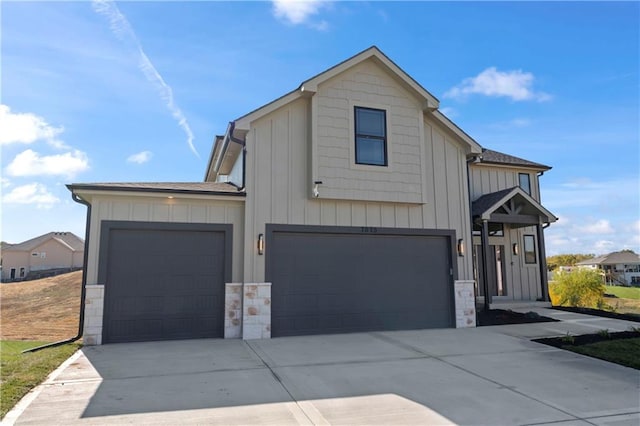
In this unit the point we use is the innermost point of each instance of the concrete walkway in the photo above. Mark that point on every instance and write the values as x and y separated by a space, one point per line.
488 375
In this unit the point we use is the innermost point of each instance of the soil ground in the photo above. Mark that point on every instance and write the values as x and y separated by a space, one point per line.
45 310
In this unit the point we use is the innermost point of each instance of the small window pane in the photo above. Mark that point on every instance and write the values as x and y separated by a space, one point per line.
529 249
525 182
370 122
370 151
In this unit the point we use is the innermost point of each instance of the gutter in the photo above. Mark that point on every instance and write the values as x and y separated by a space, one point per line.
83 291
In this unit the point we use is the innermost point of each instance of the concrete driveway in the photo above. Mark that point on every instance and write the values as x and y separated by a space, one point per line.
489 375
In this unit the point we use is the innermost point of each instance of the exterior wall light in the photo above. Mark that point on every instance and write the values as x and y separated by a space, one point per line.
515 249
460 247
261 244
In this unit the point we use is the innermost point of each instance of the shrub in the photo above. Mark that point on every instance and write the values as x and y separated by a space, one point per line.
581 288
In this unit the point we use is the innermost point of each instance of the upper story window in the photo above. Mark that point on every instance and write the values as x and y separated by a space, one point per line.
525 182
371 136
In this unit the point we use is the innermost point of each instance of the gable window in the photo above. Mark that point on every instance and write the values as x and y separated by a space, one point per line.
529 249
525 182
371 136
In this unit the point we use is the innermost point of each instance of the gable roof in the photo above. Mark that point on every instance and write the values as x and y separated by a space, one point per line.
207 188
494 157
68 239
617 257
487 204
309 87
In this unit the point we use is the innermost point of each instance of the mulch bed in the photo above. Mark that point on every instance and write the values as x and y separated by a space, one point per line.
599 313
503 317
585 339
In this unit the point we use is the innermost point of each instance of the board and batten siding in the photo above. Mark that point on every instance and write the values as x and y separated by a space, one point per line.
523 280
486 179
279 181
180 209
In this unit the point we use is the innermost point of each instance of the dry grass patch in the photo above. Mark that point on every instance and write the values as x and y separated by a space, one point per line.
44 310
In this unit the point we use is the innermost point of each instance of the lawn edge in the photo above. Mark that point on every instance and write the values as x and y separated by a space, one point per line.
16 411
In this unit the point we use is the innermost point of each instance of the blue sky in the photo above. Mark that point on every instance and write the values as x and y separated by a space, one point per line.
136 91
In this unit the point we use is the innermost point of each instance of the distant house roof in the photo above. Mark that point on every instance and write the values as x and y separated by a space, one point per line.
69 239
209 188
615 258
494 157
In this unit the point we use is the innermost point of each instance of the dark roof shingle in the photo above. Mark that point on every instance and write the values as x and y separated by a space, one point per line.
495 157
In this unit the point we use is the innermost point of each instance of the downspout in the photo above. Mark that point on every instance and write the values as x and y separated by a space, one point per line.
83 290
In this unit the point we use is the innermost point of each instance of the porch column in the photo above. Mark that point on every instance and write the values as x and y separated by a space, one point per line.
485 273
544 283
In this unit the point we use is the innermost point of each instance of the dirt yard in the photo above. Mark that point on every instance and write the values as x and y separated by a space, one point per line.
45 310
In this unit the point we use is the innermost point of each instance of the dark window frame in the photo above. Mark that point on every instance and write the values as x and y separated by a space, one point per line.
528 188
370 137
529 253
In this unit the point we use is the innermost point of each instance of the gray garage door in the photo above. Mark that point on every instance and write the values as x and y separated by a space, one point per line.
335 280
163 284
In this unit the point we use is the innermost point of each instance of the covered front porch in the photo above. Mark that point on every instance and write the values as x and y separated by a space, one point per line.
509 252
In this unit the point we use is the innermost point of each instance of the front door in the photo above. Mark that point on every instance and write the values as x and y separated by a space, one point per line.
495 270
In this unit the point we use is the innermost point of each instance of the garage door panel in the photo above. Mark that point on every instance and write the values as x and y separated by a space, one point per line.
344 282
164 284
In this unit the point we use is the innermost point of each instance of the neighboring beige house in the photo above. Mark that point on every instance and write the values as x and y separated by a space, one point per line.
54 250
620 267
349 204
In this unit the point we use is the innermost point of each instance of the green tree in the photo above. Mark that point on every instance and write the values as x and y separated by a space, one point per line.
580 288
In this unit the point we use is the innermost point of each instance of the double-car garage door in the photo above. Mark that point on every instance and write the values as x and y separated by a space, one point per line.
336 279
164 281
167 281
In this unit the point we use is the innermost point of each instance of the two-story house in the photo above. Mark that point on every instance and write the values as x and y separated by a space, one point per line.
349 204
49 253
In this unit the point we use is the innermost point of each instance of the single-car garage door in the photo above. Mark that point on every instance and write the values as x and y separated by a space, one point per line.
164 281
336 279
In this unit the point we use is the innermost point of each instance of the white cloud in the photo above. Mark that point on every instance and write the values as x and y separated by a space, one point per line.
604 246
601 226
33 193
26 128
30 163
299 11
140 158
122 29
449 112
5 182
515 84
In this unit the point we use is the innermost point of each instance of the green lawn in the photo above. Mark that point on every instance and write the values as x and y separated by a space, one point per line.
622 351
19 373
623 292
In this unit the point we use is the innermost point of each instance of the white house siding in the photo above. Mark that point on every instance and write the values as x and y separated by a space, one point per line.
184 209
279 182
523 280
487 178
367 85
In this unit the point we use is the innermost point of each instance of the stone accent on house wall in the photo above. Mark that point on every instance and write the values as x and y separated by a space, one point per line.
233 311
93 314
465 303
256 318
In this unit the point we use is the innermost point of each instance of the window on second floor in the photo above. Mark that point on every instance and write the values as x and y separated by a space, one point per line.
371 136
525 182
